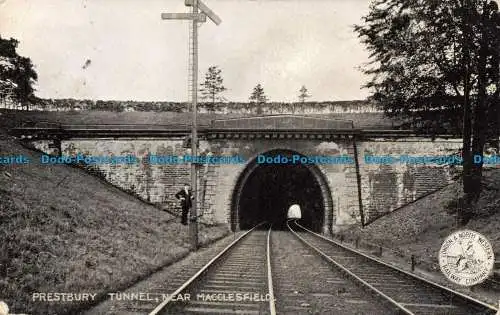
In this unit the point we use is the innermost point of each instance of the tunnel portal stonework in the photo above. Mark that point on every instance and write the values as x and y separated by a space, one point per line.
382 187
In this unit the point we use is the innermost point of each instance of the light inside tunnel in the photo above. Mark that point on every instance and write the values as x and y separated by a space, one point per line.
294 212
270 190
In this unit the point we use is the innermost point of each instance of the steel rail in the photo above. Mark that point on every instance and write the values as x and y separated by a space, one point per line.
272 305
164 303
469 298
350 273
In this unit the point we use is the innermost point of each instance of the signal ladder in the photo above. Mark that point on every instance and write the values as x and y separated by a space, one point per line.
192 51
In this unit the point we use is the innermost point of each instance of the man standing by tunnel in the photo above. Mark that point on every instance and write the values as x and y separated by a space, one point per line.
185 196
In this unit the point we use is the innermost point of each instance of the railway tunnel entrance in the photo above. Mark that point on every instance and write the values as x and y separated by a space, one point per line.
265 192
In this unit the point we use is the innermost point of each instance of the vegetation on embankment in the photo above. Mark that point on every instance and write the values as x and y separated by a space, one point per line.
421 227
166 106
63 230
171 119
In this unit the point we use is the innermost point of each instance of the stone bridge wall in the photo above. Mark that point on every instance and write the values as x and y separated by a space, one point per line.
387 187
383 187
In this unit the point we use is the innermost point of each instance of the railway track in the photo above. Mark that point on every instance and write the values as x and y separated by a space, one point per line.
237 281
409 293
307 284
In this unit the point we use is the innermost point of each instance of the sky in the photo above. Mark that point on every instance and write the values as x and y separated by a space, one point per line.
122 50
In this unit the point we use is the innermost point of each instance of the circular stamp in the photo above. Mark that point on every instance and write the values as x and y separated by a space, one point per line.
466 258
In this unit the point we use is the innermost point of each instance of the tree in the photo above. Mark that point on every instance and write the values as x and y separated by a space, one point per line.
17 74
258 97
303 94
212 87
435 64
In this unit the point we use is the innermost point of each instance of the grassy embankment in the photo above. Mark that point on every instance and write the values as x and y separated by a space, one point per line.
63 230
366 120
421 227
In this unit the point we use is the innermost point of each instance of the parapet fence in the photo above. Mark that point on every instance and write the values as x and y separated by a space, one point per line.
412 260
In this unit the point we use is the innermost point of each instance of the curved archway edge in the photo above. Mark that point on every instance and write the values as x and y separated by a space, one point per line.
252 166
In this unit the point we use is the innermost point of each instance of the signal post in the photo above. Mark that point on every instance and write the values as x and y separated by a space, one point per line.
195 17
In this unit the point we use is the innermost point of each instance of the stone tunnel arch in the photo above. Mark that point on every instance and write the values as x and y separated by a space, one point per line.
265 191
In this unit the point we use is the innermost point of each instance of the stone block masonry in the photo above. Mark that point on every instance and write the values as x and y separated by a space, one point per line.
154 183
384 187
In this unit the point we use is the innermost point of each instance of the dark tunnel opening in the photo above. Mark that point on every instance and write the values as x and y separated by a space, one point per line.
270 190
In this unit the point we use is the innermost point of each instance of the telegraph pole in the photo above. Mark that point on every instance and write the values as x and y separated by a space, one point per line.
195 17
